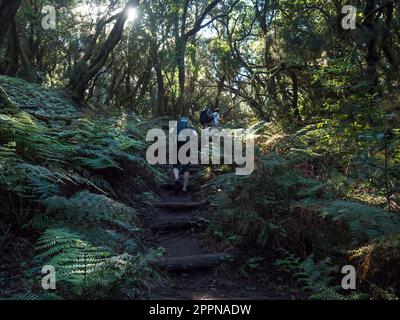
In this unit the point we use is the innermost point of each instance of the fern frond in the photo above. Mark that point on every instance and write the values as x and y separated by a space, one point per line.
89 206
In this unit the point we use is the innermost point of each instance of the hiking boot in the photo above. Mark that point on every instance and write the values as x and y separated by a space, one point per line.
177 186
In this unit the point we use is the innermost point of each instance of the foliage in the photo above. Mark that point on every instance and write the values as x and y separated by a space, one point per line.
67 182
83 205
323 103
94 273
33 97
290 203
315 278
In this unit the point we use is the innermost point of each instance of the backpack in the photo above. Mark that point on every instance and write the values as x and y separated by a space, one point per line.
206 116
183 124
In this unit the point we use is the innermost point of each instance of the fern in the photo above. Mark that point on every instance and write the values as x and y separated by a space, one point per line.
89 207
74 260
101 161
378 260
41 222
314 278
52 176
92 271
35 297
366 223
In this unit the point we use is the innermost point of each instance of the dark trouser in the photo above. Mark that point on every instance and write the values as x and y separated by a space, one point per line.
181 167
184 167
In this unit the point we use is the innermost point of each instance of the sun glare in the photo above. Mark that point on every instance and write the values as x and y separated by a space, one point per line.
84 10
87 9
132 14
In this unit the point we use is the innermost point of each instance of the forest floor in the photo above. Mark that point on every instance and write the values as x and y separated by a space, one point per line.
196 269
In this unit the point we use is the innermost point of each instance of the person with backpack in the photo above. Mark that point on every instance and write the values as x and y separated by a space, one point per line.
183 124
216 117
209 119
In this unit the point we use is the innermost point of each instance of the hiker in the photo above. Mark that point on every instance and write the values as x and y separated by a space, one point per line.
216 117
183 124
208 118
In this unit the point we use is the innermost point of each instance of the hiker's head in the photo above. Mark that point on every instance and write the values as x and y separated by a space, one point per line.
217 110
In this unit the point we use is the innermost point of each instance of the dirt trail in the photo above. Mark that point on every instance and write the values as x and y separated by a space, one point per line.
197 271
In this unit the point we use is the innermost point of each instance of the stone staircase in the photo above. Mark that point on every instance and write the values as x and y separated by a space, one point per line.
196 271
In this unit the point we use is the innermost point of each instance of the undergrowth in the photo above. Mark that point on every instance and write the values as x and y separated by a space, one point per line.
308 207
74 192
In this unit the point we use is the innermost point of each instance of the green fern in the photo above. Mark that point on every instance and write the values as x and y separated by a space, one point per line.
89 207
366 222
35 297
314 277
75 260
91 271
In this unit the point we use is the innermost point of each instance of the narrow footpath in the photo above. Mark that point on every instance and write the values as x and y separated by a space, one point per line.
196 270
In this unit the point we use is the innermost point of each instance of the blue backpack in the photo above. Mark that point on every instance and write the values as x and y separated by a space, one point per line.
183 124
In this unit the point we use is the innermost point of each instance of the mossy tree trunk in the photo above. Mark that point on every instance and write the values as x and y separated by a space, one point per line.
8 10
29 73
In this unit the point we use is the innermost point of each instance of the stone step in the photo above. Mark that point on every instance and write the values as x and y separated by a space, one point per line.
181 205
197 262
172 186
177 225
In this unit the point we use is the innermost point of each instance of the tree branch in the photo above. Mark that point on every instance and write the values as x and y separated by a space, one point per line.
199 22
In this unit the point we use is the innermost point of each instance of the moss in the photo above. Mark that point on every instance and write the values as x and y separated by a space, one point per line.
6 105
35 97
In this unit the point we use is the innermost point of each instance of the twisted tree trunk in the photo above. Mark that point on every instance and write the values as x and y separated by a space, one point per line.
93 60
8 10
